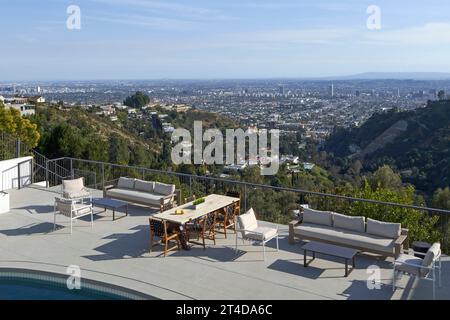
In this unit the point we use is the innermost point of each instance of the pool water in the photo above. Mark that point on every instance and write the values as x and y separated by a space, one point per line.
21 289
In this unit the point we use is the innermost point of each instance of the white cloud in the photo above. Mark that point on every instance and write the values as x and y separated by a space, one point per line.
141 20
429 34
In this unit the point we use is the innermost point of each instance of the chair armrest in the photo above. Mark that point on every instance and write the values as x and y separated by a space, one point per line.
249 231
111 186
401 239
292 224
411 265
398 244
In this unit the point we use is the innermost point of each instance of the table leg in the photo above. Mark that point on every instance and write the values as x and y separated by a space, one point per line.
126 209
304 258
114 214
346 267
354 262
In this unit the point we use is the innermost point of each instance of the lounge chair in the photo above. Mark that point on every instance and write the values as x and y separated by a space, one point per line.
72 209
422 268
250 230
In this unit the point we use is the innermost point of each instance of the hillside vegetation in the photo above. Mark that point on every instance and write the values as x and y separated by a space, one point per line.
415 143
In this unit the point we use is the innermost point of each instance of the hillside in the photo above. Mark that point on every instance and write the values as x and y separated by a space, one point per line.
416 142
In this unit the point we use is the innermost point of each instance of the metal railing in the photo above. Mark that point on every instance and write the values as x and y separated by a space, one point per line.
97 174
273 203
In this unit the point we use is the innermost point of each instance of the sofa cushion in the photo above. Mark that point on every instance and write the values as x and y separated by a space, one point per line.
126 183
348 222
263 233
383 229
345 237
247 221
165 189
317 217
145 186
137 196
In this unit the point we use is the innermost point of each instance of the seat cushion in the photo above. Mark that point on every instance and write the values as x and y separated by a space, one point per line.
345 237
383 229
247 221
348 222
126 183
77 195
317 217
413 264
165 189
145 186
136 196
81 209
264 233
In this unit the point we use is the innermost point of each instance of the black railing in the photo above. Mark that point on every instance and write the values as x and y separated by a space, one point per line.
272 203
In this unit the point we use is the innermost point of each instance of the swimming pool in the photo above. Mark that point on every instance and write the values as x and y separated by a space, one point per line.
24 284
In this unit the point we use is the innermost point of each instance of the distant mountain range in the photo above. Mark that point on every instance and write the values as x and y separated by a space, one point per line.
395 76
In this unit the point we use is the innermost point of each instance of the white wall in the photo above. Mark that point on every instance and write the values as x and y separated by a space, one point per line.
4 202
9 173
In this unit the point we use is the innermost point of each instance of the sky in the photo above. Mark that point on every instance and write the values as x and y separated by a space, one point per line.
214 39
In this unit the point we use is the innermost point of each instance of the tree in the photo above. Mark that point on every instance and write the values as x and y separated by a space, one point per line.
118 150
12 122
137 100
441 95
386 178
441 199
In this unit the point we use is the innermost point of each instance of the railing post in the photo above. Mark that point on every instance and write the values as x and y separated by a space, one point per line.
47 183
190 186
72 174
18 148
103 175
245 198
18 176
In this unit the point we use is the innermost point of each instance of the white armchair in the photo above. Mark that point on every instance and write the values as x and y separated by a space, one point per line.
423 268
75 190
248 228
73 210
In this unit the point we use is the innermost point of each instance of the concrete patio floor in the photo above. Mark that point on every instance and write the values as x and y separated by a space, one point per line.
117 252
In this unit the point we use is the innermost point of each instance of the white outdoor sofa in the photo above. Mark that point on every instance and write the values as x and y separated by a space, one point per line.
147 193
383 238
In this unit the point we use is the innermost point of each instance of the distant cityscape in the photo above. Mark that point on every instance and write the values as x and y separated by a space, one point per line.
316 107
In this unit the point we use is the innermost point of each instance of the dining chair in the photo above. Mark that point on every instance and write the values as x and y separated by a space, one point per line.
159 228
189 199
226 219
204 228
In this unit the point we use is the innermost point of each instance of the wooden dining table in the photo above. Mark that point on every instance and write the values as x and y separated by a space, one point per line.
213 203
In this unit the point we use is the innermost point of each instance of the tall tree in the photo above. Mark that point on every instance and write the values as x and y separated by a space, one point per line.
12 122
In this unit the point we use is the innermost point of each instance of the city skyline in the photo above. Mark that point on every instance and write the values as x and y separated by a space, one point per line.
136 39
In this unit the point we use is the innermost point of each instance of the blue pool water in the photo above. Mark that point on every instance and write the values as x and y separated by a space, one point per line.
40 290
